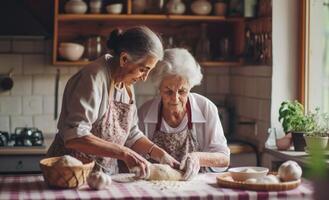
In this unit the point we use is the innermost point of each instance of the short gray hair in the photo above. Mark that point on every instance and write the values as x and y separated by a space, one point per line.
180 62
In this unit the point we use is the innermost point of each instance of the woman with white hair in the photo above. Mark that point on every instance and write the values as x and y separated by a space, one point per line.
184 124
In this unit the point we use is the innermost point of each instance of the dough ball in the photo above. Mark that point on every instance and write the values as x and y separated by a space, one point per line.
269 179
249 170
162 172
251 180
68 161
228 178
290 171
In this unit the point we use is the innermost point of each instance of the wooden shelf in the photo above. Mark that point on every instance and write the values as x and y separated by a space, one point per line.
221 64
106 17
203 64
78 27
72 63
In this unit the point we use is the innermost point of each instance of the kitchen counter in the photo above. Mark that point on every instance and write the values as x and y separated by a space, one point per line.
203 186
33 150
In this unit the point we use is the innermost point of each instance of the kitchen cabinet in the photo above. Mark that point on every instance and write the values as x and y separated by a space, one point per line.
20 163
183 30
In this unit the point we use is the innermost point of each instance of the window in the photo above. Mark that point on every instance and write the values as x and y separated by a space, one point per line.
315 74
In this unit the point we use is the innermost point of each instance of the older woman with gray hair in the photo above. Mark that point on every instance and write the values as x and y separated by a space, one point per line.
184 124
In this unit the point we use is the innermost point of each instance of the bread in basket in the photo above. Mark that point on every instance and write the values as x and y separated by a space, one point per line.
63 176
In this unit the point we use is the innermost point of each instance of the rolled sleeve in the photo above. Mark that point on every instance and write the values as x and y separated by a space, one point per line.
82 98
217 141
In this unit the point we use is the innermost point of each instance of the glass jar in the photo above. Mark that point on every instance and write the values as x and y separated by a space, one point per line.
94 47
202 51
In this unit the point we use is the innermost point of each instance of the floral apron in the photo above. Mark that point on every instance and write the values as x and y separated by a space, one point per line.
113 127
176 144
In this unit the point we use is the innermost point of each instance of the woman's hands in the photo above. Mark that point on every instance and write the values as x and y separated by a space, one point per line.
190 163
136 163
169 160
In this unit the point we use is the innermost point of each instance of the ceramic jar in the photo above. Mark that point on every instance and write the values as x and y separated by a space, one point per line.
95 6
75 7
201 7
220 8
176 7
138 6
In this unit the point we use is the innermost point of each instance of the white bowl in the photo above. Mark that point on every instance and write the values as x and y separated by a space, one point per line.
114 8
244 173
70 51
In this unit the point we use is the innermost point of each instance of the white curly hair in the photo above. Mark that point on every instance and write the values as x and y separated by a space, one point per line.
179 62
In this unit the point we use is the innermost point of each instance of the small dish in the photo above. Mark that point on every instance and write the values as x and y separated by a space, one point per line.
114 8
244 173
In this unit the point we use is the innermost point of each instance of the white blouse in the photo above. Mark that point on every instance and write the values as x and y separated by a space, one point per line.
85 101
205 120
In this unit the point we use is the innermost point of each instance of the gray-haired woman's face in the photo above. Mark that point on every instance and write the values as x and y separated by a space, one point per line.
174 92
138 71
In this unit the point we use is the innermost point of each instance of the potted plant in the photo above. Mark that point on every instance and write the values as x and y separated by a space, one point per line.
319 136
294 121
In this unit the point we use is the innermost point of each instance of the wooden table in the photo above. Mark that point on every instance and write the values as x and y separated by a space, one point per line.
201 187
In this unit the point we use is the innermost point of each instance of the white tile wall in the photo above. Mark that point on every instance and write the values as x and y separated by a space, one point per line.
34 64
23 46
48 105
9 61
22 85
32 105
21 121
11 105
5 46
251 95
46 123
43 84
4 123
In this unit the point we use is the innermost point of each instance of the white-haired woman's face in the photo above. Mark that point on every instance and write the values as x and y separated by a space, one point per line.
174 92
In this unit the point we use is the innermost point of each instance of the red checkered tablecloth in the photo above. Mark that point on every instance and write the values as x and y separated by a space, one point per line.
202 187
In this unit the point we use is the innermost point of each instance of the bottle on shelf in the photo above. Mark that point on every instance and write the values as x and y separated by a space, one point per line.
202 50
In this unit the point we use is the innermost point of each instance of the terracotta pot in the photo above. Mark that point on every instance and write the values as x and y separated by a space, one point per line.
284 143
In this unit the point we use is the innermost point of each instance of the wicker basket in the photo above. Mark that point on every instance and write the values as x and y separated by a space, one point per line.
64 176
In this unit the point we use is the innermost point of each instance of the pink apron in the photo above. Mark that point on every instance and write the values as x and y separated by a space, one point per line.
176 144
114 127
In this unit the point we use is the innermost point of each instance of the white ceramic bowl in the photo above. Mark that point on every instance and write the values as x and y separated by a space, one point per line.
114 8
70 51
244 173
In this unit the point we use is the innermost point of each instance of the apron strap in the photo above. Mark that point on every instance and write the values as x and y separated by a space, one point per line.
189 116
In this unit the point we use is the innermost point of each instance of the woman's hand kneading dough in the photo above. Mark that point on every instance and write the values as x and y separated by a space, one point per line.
190 163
